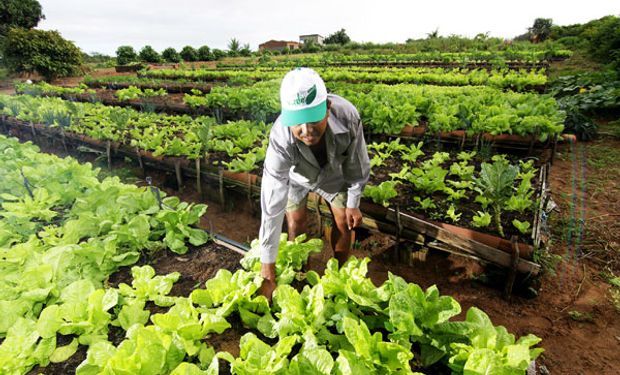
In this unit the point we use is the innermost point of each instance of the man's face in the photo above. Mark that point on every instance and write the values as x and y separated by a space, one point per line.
311 133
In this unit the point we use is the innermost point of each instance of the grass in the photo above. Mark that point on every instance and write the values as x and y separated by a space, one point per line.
578 62
603 156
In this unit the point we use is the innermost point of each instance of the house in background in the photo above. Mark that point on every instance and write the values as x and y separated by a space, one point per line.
314 38
277 45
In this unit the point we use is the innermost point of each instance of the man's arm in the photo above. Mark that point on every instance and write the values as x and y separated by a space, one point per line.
356 167
274 195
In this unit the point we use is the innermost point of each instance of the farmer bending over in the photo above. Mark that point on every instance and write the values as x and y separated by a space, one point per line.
316 144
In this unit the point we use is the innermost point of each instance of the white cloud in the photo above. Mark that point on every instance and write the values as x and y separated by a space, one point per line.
102 26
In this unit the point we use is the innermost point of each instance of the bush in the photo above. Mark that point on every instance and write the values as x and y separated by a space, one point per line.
19 13
189 53
605 40
204 54
149 55
339 37
218 54
44 52
171 55
310 47
125 55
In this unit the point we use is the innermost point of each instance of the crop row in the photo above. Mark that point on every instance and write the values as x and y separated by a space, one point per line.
495 57
506 79
68 233
386 109
162 135
465 188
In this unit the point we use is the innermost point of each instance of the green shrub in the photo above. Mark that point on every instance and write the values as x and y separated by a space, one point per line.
218 54
189 53
204 54
149 55
605 40
171 55
126 55
44 52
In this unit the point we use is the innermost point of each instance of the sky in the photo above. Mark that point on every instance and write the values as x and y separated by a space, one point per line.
103 25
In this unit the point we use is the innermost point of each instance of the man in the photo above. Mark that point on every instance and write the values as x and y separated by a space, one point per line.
316 144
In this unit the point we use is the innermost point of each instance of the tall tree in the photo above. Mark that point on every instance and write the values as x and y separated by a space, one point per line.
126 55
233 47
189 53
339 37
171 55
541 29
19 13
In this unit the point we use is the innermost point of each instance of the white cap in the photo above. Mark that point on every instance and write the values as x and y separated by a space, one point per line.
303 97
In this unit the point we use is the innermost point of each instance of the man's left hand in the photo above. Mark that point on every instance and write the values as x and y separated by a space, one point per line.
354 217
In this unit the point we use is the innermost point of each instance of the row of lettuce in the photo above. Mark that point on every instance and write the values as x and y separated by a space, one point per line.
504 79
466 188
384 109
63 232
498 58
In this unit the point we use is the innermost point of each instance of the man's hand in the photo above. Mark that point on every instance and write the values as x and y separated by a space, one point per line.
268 273
354 217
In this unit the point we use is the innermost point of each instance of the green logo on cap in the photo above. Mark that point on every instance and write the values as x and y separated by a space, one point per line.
305 97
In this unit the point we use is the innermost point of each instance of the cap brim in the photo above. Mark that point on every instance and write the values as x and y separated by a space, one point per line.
301 116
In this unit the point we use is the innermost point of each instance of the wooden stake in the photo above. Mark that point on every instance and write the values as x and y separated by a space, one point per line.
251 202
177 170
64 142
221 186
108 150
34 133
198 177
512 271
140 163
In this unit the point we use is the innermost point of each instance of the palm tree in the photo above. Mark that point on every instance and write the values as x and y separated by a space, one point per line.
233 47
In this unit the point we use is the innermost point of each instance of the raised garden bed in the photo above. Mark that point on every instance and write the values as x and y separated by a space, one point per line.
381 219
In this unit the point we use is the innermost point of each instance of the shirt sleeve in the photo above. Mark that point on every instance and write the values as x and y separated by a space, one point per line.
274 195
356 168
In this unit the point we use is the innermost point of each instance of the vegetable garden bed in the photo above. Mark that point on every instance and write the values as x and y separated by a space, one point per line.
332 323
250 184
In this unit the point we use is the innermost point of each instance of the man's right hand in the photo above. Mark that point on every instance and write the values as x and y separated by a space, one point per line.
268 273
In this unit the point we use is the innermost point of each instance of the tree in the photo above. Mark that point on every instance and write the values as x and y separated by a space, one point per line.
44 52
541 29
189 53
171 55
19 13
245 50
204 54
125 55
149 55
233 47
433 34
218 54
339 37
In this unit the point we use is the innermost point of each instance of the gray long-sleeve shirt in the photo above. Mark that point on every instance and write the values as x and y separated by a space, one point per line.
290 162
